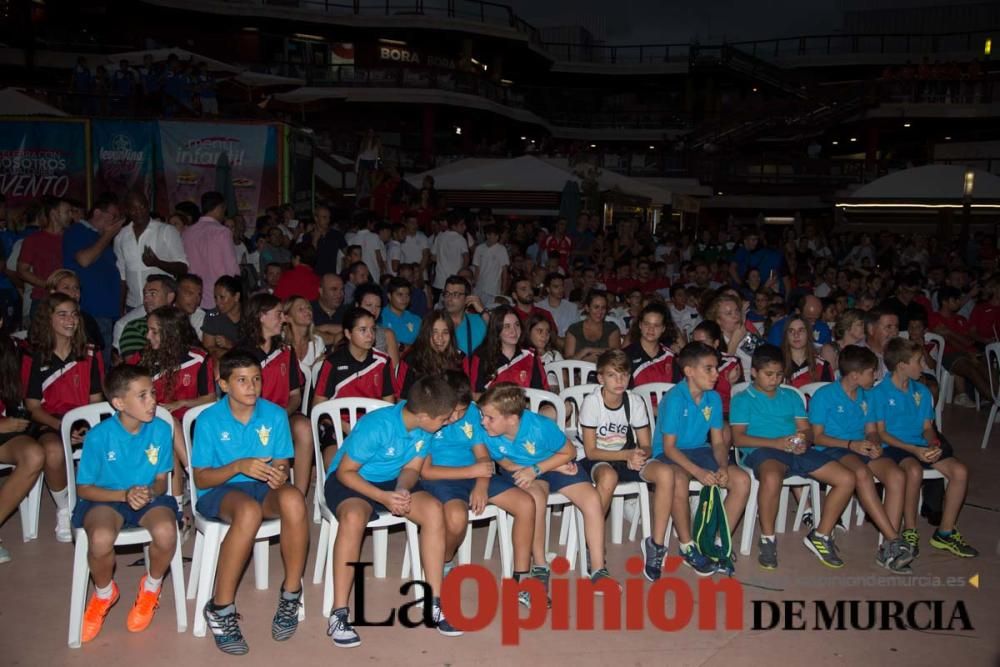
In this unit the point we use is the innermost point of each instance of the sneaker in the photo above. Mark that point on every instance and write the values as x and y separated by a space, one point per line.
146 602
443 626
542 574
448 567
286 618
807 519
725 567
824 549
341 631
97 610
912 539
653 557
954 543
895 556
64 531
767 554
697 561
963 401
226 630
602 574
4 554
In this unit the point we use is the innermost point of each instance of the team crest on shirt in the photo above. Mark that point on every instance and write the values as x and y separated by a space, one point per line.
224 436
264 433
467 430
916 398
892 402
112 457
685 413
523 376
391 451
186 381
864 407
284 372
409 327
529 447
153 454
419 445
840 409
707 413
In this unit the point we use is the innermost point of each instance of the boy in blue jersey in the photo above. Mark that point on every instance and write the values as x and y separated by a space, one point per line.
690 429
377 470
122 483
241 452
844 431
458 471
396 316
904 416
769 423
533 453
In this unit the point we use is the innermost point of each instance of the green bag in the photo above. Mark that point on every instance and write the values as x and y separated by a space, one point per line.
711 526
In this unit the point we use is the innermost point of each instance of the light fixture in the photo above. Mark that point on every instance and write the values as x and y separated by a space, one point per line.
834 142
485 67
969 183
719 193
652 148
755 89
947 138
988 46
524 138
458 130
305 35
507 82
593 145
532 141
906 124
474 61
853 139
394 42
250 28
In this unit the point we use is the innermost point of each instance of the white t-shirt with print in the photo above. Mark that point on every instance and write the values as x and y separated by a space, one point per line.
610 425
491 261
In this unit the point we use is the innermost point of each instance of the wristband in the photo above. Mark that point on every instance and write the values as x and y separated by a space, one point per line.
536 469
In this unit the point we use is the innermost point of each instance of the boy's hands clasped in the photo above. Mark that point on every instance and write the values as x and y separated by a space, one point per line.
261 469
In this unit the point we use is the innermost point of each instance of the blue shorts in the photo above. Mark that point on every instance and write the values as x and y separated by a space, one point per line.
802 465
555 480
461 489
336 493
899 455
837 453
703 457
625 474
211 501
132 517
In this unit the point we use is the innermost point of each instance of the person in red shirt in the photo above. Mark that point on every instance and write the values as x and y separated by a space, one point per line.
985 318
41 253
280 374
500 357
59 372
652 360
803 364
182 373
300 280
730 369
524 302
558 244
959 350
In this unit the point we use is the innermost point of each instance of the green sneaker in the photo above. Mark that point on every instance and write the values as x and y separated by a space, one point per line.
953 542
912 538
824 549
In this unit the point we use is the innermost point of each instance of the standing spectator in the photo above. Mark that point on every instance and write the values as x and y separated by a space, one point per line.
204 87
373 252
357 275
42 253
151 76
327 240
82 86
146 247
122 88
300 279
559 245
416 249
491 267
451 253
394 250
88 252
209 245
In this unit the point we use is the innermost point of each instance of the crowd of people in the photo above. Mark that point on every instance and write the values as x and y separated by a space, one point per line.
450 316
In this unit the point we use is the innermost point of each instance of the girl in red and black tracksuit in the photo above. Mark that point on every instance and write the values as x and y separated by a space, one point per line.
59 372
281 377
354 370
803 364
730 369
500 357
652 360
182 372
432 353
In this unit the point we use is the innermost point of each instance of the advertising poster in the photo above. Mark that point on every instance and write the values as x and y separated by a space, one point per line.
41 158
122 157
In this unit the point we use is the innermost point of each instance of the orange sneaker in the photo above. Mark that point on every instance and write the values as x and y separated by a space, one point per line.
141 614
97 609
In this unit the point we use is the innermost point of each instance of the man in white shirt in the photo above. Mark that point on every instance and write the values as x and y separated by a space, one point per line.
189 292
373 252
564 312
829 280
394 250
415 246
450 251
490 265
145 247
685 317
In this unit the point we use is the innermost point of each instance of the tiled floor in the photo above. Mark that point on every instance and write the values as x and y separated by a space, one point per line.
34 590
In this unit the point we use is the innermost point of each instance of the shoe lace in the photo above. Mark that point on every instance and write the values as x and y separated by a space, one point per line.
230 625
339 624
957 538
288 611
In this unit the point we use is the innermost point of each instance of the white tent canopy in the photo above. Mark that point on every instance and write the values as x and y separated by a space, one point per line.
14 102
932 183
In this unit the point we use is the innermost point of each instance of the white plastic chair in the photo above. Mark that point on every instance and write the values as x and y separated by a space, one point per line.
569 372
323 568
946 381
539 397
992 360
208 540
30 507
649 391
92 414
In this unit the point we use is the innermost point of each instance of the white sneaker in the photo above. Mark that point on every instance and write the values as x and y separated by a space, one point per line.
64 532
4 554
963 401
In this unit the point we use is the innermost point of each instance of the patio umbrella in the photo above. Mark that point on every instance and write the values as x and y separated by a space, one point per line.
224 183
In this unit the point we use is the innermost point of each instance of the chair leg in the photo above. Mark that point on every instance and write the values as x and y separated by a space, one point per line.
196 556
563 530
582 539
782 510
413 542
177 576
465 548
78 589
670 531
617 518
989 426
328 572
571 543
380 551
30 509
816 494
548 527
749 517
801 509
502 524
645 514
206 577
491 535
324 535
261 553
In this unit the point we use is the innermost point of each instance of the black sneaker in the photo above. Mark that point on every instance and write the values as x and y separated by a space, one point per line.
912 538
226 629
953 542
767 554
602 574
286 618
895 556
824 549
542 574
652 556
697 561
341 631
443 626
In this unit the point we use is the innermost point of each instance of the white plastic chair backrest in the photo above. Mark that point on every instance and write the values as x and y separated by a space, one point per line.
538 397
992 362
738 387
93 414
309 379
649 392
187 426
569 372
937 355
575 396
335 408
808 390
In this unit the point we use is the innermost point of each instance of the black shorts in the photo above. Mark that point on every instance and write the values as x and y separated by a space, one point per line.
899 455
